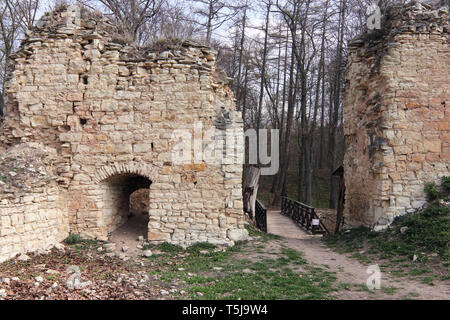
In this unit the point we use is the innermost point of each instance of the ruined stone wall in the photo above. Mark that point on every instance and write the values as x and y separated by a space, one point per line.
110 109
396 115
33 211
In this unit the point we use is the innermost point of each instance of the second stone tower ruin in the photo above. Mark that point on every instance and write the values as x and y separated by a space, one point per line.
396 114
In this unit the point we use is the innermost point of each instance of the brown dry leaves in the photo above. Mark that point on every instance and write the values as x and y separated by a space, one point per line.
111 278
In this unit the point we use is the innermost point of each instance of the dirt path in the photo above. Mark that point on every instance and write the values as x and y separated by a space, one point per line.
348 270
128 234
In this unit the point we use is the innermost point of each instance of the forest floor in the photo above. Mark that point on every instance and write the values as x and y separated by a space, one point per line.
265 267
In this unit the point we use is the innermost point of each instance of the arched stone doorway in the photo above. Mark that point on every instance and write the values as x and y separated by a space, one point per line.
118 190
118 183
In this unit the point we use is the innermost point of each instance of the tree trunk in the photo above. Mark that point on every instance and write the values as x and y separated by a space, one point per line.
209 22
290 117
241 53
251 184
336 102
263 70
276 180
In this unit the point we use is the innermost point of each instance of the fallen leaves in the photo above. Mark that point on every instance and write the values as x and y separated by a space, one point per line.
44 277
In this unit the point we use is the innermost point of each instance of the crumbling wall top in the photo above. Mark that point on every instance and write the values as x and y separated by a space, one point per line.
413 17
88 26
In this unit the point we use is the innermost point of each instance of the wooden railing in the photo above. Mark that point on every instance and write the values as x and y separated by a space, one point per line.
260 216
303 215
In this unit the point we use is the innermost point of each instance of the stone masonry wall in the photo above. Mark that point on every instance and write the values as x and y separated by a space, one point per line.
32 222
110 110
396 115
33 211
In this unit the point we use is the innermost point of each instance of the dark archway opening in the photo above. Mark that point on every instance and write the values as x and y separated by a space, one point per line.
126 207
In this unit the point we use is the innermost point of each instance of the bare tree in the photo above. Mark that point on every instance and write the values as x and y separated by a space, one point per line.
16 16
214 13
173 21
336 103
291 15
268 6
131 15
241 54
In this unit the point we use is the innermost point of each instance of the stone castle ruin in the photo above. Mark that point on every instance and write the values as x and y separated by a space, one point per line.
396 114
89 120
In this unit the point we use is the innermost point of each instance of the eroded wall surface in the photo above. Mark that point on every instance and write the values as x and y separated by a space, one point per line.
396 115
33 210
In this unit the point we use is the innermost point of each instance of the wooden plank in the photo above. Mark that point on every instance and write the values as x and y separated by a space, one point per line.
251 184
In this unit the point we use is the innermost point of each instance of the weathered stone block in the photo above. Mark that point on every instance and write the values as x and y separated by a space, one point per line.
158 236
142 148
238 235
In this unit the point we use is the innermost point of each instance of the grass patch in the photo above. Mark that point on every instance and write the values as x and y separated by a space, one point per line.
445 278
349 241
239 272
273 285
414 245
428 280
263 236
418 271
73 239
363 287
389 290
362 258
164 247
201 246
411 296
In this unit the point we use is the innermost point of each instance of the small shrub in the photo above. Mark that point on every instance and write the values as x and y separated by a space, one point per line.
349 241
196 248
445 186
428 231
446 183
73 239
431 191
170 248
